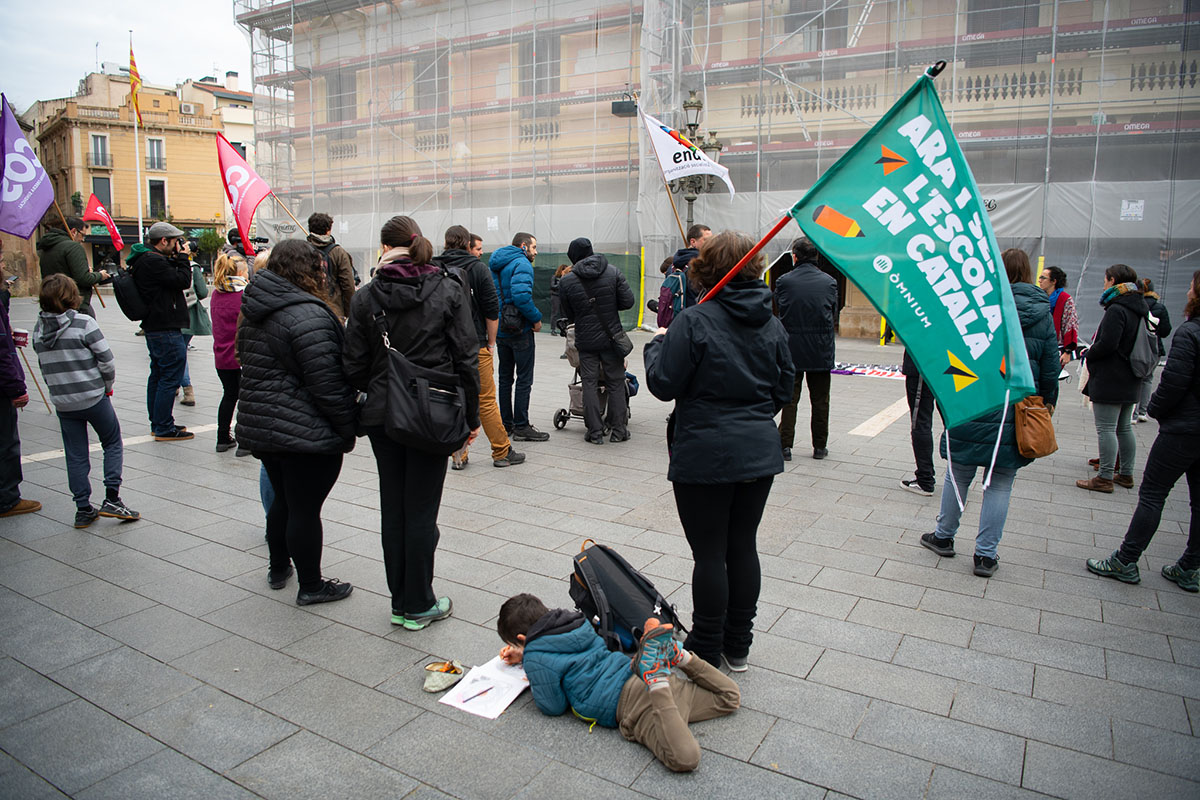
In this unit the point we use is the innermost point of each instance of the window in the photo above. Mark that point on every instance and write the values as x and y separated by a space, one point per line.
431 85
540 68
158 199
341 100
987 16
156 156
102 188
822 23
98 156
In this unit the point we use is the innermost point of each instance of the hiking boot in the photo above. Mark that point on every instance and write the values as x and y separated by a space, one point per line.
916 488
176 435
1096 484
787 454
22 507
625 436
1188 579
528 433
736 664
189 397
331 591
1124 481
118 510
443 608
277 578
1114 567
820 452
226 446
85 516
652 662
986 567
510 459
943 547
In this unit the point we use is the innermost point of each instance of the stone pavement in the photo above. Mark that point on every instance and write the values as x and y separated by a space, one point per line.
151 660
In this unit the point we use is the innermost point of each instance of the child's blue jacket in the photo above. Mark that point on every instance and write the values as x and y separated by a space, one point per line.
568 666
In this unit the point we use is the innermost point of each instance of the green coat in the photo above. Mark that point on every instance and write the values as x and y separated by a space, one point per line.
59 253
200 324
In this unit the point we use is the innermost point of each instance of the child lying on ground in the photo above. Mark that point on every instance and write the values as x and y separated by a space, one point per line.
568 666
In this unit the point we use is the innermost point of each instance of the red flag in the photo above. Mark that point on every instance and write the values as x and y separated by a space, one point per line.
243 187
99 213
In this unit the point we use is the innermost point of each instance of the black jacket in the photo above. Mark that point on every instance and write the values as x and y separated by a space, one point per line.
1163 329
1110 378
428 320
161 281
808 301
294 397
974 442
726 365
478 280
605 282
1176 401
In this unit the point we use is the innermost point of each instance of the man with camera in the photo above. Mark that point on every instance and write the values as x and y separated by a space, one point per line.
161 271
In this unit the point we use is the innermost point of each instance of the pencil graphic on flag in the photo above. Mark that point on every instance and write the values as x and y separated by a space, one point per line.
835 221
135 83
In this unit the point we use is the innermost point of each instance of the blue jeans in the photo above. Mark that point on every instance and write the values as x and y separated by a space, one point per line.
168 358
992 513
186 380
1115 433
74 427
266 492
516 354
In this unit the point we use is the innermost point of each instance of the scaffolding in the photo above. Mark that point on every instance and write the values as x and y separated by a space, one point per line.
1080 119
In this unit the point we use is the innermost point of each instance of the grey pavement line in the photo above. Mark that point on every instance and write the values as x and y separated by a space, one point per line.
129 441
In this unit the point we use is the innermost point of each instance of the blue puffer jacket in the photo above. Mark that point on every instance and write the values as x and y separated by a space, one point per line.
512 273
568 666
973 442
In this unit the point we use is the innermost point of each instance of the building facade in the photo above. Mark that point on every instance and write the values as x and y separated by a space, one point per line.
1077 118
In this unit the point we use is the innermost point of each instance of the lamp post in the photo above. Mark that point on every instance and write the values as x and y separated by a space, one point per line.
692 186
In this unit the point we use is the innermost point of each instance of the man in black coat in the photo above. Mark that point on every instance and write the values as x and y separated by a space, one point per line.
162 271
807 300
592 294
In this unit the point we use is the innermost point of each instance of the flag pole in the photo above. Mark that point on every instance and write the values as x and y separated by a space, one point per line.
29 369
746 258
137 147
666 187
289 213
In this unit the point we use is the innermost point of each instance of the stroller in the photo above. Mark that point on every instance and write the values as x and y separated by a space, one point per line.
574 408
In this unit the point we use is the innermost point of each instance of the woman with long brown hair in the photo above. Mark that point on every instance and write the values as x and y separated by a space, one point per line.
1175 453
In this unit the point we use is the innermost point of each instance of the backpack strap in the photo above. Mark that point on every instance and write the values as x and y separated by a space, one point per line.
603 611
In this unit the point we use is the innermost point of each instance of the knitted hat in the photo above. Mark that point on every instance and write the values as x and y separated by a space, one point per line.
579 250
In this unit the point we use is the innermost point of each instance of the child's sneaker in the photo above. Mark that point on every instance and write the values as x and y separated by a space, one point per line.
85 516
652 663
118 510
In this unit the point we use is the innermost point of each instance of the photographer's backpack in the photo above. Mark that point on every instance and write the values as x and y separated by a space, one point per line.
128 297
616 598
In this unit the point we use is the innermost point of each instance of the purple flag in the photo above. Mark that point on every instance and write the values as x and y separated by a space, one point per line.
26 191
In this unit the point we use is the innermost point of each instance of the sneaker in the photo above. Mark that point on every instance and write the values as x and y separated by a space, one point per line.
620 437
820 452
22 507
917 488
443 608
1114 567
1188 579
277 578
943 547
787 454
510 459
226 446
652 662
331 591
118 510
528 433
1141 418
594 438
736 664
1125 481
176 435
986 567
85 516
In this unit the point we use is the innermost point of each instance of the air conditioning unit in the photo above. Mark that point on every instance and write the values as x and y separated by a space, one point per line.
187 108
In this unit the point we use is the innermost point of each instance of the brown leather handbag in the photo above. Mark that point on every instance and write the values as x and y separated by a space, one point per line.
1035 430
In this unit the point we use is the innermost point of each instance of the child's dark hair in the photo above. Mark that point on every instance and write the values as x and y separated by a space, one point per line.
517 616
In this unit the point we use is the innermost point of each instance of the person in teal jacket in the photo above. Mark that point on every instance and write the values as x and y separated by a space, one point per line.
972 444
569 667
512 272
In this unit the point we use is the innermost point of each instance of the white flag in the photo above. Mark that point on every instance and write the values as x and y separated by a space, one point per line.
678 157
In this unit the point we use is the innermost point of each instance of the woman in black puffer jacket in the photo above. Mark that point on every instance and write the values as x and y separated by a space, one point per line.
726 365
1175 453
296 410
971 445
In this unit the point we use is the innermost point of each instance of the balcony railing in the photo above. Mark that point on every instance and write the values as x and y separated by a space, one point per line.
99 160
156 162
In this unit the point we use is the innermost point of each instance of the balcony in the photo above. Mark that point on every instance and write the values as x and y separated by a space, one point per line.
99 160
156 162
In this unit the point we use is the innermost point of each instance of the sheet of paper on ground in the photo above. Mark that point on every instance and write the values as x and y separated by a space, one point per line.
488 689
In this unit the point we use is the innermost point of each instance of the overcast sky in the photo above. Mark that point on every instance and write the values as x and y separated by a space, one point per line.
49 46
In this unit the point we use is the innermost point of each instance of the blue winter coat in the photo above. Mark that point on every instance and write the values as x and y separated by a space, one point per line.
512 273
572 668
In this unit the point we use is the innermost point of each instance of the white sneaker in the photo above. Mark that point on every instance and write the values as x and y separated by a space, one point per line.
916 488
1142 418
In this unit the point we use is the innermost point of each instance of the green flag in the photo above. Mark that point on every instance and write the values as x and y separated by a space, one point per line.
901 216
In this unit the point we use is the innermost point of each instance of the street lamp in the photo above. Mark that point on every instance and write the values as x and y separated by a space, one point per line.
692 186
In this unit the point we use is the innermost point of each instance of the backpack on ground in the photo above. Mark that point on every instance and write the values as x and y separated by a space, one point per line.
1143 358
128 297
616 598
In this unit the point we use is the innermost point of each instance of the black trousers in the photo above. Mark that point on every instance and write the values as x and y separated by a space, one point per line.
1171 457
410 493
721 525
10 456
818 395
301 481
607 369
920 413
231 379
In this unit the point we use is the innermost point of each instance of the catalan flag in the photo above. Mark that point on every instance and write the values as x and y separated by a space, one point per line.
135 84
